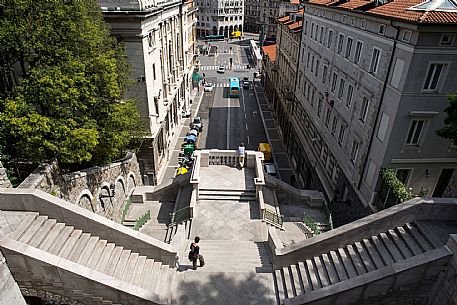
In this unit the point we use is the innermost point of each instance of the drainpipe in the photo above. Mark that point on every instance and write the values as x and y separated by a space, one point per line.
379 106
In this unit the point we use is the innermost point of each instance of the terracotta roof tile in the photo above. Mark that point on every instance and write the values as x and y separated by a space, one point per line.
395 9
295 25
398 9
294 1
354 4
270 51
283 18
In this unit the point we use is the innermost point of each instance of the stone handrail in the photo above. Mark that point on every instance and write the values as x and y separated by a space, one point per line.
33 200
195 174
76 277
398 215
311 197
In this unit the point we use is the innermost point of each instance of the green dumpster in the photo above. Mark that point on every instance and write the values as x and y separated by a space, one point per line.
188 149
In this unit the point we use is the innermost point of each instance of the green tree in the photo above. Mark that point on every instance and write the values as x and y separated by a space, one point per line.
69 103
449 131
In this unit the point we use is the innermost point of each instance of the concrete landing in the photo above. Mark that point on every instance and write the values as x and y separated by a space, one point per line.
223 177
224 288
229 220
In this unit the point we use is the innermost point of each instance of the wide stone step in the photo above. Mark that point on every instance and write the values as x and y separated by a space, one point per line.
348 262
227 197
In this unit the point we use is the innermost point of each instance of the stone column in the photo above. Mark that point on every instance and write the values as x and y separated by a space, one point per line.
4 181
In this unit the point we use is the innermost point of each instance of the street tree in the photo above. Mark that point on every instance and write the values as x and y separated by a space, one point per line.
69 100
449 131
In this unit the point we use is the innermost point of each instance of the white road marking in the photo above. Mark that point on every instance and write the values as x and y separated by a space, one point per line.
246 126
228 124
248 139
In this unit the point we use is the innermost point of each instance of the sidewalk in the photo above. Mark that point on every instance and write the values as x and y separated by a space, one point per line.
178 139
279 152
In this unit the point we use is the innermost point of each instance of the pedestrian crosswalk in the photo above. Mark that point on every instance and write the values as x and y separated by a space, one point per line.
235 67
221 85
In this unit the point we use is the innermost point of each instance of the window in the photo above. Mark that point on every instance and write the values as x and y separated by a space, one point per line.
329 38
349 95
319 107
364 109
316 72
433 76
154 71
341 134
406 35
447 40
403 175
363 25
327 117
335 120
414 132
334 79
307 61
324 74
151 39
312 30
340 43
312 64
306 27
341 88
354 151
358 52
348 47
321 38
375 60
382 29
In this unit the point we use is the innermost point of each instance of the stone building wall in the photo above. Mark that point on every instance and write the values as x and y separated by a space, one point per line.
4 181
445 291
9 290
102 190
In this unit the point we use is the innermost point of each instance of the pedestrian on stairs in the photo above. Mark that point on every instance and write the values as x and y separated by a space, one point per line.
241 154
194 253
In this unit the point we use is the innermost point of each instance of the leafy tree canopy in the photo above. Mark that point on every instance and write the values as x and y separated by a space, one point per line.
449 130
69 102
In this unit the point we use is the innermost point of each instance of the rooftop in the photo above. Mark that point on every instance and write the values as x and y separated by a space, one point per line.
417 11
270 51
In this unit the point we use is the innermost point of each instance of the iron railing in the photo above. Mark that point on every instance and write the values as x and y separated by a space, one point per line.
179 216
142 220
273 218
126 209
311 224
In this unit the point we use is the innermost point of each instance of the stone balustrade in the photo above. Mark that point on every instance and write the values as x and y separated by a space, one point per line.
415 209
72 215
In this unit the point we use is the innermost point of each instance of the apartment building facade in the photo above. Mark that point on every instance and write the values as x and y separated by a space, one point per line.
372 86
219 17
287 49
251 16
269 10
159 38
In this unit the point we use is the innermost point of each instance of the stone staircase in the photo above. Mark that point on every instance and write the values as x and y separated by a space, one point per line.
234 195
351 261
70 243
235 256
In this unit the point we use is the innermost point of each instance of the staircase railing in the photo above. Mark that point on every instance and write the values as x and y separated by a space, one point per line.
311 223
142 220
125 210
179 216
273 218
328 215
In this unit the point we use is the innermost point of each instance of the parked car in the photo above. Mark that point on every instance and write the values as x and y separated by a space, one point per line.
208 87
186 114
221 69
246 83
197 123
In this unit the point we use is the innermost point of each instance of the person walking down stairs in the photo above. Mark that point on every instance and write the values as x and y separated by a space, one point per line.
194 254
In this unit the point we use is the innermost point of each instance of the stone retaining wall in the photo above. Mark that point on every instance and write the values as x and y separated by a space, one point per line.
102 190
4 181
9 290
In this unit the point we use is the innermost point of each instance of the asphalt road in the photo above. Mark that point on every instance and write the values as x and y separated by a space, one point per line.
229 121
